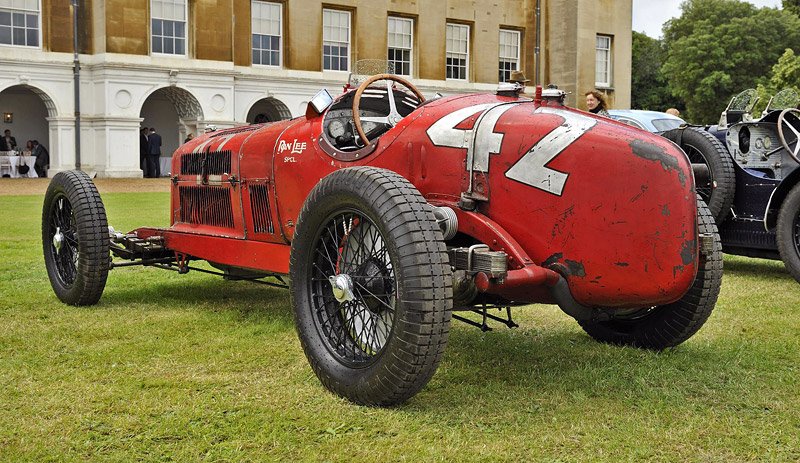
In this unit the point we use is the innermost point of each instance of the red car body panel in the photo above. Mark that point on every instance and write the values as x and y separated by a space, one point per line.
610 208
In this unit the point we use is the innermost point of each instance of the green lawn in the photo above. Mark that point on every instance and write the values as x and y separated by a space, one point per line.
190 367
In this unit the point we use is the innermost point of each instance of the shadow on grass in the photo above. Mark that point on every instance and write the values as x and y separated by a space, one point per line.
530 368
547 368
754 267
252 302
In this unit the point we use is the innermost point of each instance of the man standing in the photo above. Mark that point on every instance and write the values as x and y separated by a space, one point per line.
8 143
153 153
144 149
42 159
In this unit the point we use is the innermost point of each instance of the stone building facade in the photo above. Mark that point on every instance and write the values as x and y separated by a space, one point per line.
183 65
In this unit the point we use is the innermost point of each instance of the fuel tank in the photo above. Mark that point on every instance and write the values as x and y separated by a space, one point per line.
610 207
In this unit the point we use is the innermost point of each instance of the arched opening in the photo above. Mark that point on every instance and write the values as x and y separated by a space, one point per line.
174 113
268 110
25 112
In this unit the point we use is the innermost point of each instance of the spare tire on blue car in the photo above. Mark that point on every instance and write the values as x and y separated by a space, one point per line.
718 187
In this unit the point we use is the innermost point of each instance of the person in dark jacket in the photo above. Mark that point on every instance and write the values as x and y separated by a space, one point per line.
8 143
42 159
596 103
153 153
144 149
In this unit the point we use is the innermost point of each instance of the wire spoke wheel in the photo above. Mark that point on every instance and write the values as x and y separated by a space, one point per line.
64 241
353 290
371 286
75 238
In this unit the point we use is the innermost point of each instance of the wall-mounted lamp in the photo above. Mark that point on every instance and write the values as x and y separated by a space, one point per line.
8 118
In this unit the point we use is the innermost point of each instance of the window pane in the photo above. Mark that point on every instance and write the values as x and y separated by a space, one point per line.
157 9
33 37
180 11
5 35
5 19
180 29
169 46
156 45
18 37
32 20
19 19
180 46
157 27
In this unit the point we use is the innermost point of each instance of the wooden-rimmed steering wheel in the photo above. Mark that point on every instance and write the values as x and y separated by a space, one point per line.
390 119
793 126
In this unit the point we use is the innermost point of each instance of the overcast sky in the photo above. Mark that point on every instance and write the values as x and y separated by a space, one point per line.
650 15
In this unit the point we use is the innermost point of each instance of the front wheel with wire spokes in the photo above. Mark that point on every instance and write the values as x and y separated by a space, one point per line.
75 238
371 286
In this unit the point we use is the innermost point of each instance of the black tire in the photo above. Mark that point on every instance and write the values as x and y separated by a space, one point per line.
704 148
382 346
788 232
668 325
75 238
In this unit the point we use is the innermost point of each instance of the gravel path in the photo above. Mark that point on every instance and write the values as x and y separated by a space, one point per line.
38 186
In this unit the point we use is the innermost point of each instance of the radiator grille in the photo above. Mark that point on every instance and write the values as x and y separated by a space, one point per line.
206 205
259 202
207 163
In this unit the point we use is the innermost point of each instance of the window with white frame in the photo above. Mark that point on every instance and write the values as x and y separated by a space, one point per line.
602 70
168 26
19 22
509 54
400 39
457 63
267 31
335 40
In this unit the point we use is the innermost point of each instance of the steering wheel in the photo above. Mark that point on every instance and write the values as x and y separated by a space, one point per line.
794 129
390 119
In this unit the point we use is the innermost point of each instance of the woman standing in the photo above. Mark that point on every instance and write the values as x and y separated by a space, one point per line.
596 103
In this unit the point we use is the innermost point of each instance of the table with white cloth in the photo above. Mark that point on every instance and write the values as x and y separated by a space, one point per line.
9 164
166 165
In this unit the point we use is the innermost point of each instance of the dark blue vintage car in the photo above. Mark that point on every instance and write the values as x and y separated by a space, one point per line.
748 171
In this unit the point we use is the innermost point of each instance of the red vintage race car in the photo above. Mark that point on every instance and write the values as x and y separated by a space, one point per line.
389 212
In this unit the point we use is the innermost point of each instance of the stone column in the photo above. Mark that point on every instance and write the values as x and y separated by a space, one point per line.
117 141
62 144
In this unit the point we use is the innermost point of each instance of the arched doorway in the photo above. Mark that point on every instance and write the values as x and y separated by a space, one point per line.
26 112
268 110
174 113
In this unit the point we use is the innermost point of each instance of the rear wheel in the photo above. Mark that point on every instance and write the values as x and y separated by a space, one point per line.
719 188
788 232
668 325
75 238
371 286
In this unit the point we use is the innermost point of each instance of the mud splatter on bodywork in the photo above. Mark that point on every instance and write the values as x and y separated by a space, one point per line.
653 152
566 267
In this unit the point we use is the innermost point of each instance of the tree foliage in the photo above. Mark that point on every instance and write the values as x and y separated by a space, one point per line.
649 88
792 6
717 48
785 75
